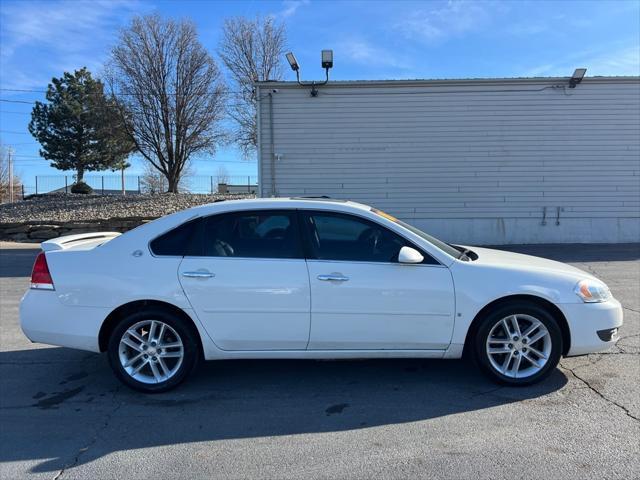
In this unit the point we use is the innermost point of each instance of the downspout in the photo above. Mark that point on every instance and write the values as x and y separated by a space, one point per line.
273 148
259 138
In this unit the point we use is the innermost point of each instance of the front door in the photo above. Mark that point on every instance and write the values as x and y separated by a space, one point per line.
362 298
249 283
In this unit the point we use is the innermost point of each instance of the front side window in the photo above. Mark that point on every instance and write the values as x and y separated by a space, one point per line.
259 234
336 236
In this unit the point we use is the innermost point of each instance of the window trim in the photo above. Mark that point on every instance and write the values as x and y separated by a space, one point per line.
308 250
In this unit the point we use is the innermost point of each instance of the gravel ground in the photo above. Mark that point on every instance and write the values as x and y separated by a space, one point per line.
67 207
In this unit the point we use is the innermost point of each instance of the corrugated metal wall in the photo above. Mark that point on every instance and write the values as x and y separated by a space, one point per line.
474 162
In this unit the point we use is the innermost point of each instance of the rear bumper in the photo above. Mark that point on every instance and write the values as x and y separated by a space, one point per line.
44 319
586 320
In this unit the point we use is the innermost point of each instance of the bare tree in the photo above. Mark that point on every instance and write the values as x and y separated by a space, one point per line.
170 92
222 175
152 181
5 178
252 50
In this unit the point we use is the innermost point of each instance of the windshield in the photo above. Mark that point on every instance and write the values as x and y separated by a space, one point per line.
445 247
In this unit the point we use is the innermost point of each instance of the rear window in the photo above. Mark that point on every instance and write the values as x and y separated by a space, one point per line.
177 242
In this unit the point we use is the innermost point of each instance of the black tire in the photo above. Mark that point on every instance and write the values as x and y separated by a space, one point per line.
506 310
187 335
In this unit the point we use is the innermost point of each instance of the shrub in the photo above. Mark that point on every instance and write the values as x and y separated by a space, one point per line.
81 187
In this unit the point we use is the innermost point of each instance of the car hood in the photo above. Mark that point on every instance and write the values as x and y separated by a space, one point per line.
519 261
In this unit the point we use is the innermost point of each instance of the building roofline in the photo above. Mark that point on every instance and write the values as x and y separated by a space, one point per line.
449 82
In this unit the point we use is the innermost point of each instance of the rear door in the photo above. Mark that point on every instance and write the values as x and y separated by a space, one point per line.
362 298
248 281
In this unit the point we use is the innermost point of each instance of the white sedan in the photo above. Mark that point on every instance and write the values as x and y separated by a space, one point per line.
307 278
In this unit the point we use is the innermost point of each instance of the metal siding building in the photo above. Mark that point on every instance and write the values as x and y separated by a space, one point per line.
471 161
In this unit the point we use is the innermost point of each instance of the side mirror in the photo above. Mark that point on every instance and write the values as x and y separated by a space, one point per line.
409 255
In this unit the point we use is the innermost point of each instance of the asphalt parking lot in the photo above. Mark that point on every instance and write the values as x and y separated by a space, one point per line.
63 414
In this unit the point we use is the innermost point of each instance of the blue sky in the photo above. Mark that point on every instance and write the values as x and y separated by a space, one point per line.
371 40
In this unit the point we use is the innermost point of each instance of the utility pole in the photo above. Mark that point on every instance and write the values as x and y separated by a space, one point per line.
10 155
124 192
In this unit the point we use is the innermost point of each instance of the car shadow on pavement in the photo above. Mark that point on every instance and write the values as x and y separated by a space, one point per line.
62 408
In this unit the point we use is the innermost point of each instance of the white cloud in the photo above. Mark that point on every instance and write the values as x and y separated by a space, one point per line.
41 39
613 62
291 7
364 53
622 62
452 18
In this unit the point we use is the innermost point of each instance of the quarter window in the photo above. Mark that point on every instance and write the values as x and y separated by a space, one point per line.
177 242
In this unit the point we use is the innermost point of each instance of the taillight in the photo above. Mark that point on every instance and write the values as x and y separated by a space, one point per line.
40 276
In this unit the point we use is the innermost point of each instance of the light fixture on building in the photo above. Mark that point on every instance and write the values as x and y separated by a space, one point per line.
291 58
327 59
577 77
326 62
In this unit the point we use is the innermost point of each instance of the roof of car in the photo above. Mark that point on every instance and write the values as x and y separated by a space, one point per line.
282 202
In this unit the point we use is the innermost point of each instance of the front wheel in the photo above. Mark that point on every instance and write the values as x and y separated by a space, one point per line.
518 344
152 351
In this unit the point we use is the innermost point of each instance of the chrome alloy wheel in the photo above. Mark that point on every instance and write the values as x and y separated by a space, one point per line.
151 351
518 346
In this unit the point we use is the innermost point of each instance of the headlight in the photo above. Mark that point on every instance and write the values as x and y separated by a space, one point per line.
592 291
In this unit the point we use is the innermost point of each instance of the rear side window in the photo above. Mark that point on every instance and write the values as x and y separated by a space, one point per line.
258 234
177 242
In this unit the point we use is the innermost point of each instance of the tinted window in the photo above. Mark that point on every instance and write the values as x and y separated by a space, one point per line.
262 234
176 242
346 237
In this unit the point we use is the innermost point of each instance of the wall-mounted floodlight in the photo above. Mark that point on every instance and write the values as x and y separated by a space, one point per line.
326 62
291 58
577 77
327 58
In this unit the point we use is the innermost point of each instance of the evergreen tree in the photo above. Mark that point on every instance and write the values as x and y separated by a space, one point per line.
78 127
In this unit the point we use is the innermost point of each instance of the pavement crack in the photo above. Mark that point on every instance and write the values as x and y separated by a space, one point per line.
93 440
617 353
486 392
631 309
601 395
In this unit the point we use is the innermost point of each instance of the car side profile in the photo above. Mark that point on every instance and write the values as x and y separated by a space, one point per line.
307 278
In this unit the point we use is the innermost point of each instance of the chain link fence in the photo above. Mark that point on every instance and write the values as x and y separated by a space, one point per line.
138 184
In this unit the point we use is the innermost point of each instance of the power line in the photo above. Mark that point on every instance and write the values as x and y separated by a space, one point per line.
16 101
25 90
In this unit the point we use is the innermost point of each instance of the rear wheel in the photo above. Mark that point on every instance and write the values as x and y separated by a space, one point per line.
518 344
152 351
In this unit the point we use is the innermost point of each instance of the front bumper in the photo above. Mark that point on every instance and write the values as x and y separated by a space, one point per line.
586 320
45 319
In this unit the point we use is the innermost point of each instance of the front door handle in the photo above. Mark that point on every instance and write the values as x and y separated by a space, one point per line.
333 278
198 274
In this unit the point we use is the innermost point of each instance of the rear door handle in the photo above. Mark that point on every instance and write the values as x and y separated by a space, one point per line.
198 274
333 278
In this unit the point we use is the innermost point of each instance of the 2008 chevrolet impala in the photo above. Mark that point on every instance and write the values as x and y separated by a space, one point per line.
307 278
